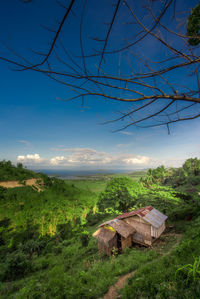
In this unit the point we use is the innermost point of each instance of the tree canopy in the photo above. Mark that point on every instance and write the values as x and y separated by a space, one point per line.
192 167
9 172
193 26
120 194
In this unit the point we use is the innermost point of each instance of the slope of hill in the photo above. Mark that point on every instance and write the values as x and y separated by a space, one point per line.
47 249
9 172
36 183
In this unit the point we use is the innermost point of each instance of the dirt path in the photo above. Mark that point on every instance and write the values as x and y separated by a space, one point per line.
30 182
113 291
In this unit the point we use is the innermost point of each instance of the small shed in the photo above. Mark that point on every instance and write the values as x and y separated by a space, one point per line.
112 234
148 222
141 226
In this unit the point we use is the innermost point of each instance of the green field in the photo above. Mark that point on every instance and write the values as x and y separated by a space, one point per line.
98 182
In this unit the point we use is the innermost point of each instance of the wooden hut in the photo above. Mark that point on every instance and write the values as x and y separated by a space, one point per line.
148 222
114 234
141 226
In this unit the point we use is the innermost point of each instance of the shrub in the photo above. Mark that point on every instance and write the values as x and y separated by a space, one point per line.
64 230
41 263
17 266
33 246
57 249
192 270
84 238
93 219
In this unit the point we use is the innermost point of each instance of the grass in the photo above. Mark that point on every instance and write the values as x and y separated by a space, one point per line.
98 182
68 268
93 185
160 279
77 272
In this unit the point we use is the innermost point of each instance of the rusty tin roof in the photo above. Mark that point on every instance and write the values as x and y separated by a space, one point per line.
149 214
142 212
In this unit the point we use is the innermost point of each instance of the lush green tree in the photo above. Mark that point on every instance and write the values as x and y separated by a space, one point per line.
19 165
192 167
155 176
48 182
32 246
193 26
9 172
120 193
163 198
176 177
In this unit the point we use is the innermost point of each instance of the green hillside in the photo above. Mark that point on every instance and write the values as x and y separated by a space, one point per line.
9 172
46 244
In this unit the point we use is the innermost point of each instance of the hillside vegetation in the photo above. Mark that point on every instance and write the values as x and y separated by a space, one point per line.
9 172
46 244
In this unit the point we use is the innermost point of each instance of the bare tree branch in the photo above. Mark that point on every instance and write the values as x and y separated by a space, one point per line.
144 60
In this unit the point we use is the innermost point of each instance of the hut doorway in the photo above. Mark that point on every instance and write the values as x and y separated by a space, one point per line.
119 242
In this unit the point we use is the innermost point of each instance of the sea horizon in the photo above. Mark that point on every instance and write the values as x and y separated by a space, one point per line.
72 173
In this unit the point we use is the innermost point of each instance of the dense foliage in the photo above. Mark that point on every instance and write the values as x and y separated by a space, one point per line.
176 281
193 26
188 175
47 249
120 194
123 194
58 204
9 172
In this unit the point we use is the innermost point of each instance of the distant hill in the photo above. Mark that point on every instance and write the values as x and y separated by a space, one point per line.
9 172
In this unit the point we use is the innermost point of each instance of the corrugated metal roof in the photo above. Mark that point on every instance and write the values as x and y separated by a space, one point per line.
142 212
149 214
155 218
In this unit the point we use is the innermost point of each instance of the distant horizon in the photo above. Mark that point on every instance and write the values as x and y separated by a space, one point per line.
73 174
83 168
92 171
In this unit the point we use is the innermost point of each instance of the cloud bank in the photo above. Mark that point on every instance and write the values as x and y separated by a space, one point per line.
75 157
31 159
90 158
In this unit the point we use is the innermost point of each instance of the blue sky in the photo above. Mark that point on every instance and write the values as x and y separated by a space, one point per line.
41 131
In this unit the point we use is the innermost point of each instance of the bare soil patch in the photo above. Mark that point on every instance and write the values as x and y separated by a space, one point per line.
30 182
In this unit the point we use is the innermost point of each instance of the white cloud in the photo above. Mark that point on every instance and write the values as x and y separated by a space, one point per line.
30 159
57 160
137 160
88 157
78 156
91 158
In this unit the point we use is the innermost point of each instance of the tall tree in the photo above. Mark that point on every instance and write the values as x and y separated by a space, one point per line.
192 167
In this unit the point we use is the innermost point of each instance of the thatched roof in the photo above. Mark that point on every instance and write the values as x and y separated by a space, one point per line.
104 235
123 228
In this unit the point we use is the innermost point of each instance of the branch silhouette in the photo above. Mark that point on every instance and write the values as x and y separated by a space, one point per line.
143 58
